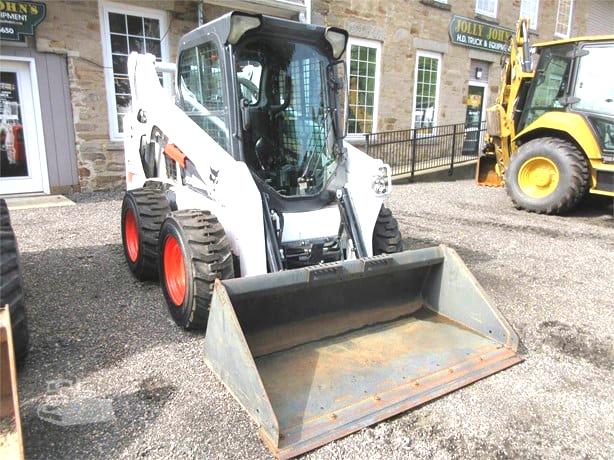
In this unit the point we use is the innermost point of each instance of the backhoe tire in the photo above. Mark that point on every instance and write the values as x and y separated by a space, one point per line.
11 284
143 211
547 176
194 252
387 237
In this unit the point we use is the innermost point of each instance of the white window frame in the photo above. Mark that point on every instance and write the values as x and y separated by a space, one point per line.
105 8
530 9
557 22
482 5
439 58
378 65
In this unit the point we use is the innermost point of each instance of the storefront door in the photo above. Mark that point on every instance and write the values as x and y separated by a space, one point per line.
473 119
23 167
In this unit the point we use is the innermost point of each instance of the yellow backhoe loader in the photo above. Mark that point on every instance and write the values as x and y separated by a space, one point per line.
550 134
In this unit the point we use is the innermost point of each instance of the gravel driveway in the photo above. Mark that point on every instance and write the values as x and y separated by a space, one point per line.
104 342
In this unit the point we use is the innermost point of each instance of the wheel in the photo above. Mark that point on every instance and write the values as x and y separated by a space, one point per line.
547 176
143 211
194 252
11 284
386 235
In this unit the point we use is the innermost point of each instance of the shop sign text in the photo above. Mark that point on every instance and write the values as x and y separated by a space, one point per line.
477 34
18 19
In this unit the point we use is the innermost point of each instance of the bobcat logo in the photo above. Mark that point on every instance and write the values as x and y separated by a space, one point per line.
213 176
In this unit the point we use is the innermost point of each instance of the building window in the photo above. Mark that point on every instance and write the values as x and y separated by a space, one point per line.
563 18
486 8
530 9
364 64
428 67
126 29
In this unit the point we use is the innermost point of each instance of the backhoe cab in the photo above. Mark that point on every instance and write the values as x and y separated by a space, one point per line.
551 131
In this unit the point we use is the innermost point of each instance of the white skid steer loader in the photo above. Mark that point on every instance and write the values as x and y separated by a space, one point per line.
268 230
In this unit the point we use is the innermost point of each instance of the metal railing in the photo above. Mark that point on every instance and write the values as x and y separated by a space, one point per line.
412 150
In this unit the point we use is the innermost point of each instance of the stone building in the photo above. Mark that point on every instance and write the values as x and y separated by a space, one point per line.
412 64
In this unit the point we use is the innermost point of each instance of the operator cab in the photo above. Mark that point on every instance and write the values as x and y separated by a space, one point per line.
289 140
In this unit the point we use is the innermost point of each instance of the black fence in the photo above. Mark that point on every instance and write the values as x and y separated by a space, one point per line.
412 150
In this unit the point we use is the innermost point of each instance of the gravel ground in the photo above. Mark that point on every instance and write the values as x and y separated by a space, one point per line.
147 393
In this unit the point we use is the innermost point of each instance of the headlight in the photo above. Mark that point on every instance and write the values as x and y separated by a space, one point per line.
381 182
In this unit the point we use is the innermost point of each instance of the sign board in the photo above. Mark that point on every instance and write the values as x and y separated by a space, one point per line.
18 19
478 34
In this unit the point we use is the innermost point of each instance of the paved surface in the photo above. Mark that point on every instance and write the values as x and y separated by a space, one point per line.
110 376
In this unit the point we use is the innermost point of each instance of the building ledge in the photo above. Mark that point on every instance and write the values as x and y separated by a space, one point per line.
281 8
437 4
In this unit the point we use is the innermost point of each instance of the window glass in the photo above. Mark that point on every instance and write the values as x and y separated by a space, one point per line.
426 92
363 86
551 79
563 18
530 9
202 90
289 142
486 7
127 31
595 93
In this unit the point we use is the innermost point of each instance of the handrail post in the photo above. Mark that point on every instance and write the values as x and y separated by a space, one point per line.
451 171
412 136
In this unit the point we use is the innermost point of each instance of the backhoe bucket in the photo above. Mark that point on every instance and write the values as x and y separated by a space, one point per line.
314 354
486 171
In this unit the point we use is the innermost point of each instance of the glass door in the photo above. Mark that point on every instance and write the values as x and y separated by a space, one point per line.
23 164
473 120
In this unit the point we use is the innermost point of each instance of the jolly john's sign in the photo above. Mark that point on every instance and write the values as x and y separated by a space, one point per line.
18 19
477 34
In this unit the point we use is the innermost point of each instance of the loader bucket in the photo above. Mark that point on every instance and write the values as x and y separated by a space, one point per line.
314 354
486 171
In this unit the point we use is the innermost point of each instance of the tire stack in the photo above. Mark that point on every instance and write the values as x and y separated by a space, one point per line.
11 283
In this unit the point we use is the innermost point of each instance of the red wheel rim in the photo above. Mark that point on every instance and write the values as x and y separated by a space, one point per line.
131 233
174 270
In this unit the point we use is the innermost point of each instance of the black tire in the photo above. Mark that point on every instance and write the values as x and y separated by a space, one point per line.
194 252
143 211
547 176
11 284
387 237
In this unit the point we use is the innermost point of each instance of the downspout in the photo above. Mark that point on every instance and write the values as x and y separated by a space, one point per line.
200 11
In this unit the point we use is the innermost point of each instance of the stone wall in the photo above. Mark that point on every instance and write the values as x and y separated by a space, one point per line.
73 28
406 26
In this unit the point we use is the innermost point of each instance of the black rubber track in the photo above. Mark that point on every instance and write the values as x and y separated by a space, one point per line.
150 207
387 237
207 256
11 283
573 169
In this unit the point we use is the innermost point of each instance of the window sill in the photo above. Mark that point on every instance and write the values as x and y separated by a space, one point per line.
488 19
436 4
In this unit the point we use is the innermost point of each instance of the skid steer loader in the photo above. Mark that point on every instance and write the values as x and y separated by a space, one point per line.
550 134
268 230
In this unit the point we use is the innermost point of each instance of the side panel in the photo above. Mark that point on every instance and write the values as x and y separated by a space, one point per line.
571 124
224 185
361 168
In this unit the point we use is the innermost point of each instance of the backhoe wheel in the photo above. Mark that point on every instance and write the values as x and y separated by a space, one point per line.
547 176
386 235
143 212
11 284
194 252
